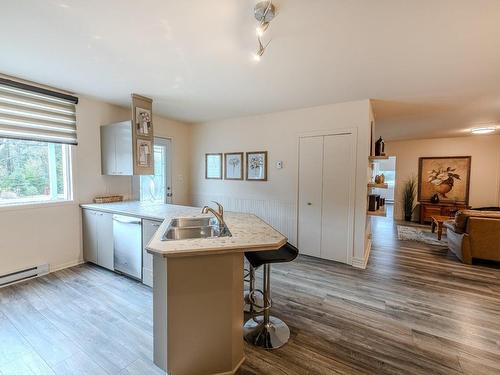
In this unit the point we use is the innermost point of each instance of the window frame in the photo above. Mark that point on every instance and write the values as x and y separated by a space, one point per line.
67 169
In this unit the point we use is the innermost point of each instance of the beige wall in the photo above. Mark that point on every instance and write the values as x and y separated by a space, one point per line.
485 168
278 133
51 233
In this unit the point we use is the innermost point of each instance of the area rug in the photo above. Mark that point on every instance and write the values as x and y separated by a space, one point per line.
419 234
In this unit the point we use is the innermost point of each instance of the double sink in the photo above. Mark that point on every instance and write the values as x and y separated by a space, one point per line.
193 228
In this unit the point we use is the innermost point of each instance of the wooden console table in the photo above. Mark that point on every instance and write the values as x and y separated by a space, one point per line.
427 210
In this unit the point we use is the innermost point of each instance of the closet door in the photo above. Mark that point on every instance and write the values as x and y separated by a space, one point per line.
310 195
338 198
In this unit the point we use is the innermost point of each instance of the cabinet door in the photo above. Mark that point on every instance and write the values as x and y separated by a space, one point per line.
338 198
149 228
310 195
123 148
108 152
89 221
105 252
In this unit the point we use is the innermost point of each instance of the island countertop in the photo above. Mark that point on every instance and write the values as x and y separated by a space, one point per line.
249 233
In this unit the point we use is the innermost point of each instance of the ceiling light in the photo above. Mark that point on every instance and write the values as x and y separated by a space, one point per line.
264 12
261 29
484 130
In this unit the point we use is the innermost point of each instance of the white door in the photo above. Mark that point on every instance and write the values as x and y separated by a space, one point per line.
338 198
158 187
310 195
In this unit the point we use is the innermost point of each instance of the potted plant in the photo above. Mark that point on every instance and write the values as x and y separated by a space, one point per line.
409 192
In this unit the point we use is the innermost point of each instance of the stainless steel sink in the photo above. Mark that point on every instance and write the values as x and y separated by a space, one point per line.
192 228
187 233
190 222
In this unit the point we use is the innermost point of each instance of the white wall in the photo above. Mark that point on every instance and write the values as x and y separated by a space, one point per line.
51 233
485 167
276 200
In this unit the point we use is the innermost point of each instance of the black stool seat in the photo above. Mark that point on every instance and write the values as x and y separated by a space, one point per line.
286 253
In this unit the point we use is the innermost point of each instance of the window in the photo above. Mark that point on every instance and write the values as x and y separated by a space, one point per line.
33 172
156 188
36 128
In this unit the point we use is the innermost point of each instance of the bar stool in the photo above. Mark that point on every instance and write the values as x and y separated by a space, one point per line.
265 330
254 301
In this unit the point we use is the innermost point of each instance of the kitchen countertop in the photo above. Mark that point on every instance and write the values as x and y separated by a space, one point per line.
249 233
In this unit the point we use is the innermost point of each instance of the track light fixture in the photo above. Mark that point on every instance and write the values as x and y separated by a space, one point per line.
264 12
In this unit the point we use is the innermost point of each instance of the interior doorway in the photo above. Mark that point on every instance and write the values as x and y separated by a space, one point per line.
388 169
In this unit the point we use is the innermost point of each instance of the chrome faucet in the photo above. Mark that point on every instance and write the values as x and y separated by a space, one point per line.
218 215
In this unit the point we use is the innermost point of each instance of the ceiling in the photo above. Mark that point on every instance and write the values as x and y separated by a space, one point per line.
432 65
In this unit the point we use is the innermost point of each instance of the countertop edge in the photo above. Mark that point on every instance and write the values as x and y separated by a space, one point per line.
216 251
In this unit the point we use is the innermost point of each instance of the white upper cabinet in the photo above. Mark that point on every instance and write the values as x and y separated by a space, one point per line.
117 149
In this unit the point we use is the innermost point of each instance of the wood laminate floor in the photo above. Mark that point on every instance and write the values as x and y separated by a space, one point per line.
415 310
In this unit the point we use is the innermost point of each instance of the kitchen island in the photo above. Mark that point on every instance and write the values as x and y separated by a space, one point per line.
198 288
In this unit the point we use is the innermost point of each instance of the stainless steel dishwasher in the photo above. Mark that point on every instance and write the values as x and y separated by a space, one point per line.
127 232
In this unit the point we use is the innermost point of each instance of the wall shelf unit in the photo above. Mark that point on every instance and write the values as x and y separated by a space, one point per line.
374 158
379 212
372 185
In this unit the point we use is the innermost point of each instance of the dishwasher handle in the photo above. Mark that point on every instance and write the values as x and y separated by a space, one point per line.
126 219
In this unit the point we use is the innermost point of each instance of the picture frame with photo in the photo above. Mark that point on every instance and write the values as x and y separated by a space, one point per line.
256 166
233 166
143 121
213 166
144 152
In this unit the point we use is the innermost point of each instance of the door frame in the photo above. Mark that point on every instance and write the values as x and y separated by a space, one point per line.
327 132
167 142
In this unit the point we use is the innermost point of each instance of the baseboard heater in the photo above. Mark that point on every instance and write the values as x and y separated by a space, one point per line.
27 273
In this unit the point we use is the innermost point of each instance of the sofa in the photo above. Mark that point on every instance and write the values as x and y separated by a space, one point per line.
474 234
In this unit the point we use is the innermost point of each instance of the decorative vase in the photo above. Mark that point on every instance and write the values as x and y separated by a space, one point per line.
379 147
444 187
435 198
377 179
382 178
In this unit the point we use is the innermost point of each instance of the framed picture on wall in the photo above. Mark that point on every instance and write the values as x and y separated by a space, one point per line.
233 166
143 122
213 166
448 177
144 150
256 166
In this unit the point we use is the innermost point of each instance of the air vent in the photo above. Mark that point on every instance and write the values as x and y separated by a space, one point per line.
27 273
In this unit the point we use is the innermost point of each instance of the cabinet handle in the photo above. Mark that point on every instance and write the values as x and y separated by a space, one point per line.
309 204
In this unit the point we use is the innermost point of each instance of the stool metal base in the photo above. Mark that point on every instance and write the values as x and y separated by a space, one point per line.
272 335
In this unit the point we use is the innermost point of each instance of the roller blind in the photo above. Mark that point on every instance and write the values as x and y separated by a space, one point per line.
36 114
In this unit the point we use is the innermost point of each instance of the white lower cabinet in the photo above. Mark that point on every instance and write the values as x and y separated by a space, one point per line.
98 238
149 228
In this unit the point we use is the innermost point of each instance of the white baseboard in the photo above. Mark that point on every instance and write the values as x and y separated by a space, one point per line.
362 262
66 265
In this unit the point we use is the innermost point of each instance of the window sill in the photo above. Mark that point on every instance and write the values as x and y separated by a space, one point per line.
34 205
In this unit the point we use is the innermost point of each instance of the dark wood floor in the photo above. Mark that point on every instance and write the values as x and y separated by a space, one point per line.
414 310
